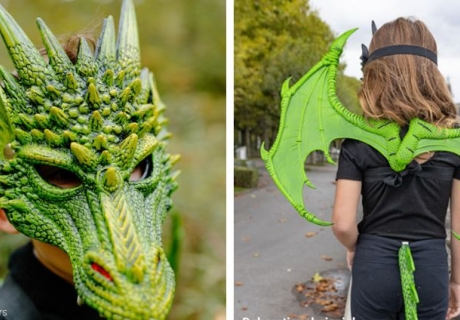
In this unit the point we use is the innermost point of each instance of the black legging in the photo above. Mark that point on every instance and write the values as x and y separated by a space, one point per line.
376 288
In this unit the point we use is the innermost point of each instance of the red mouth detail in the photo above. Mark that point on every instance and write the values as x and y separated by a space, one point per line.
101 270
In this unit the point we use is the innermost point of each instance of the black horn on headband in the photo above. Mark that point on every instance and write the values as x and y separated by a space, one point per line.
395 49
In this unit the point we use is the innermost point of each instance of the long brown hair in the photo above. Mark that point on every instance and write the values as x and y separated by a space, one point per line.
402 87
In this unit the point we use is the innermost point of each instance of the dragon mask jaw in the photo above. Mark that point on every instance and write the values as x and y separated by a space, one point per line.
95 122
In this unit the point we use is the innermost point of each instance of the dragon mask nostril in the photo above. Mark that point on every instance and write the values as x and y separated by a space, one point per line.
98 268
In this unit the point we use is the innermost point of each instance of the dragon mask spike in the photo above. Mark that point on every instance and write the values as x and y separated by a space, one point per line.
6 133
86 65
28 62
58 59
106 52
128 53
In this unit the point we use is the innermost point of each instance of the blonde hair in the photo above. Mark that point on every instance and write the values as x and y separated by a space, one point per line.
403 86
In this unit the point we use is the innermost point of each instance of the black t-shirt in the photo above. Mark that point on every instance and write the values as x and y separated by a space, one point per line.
410 205
32 292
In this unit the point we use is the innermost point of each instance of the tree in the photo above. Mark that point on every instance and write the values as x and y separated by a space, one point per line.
274 40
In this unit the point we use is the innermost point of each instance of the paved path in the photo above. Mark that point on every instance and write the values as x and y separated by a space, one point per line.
275 248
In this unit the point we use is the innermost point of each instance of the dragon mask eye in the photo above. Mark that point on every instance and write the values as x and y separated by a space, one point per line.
142 171
59 177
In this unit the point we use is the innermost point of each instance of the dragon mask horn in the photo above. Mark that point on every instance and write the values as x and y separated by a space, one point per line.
58 59
28 61
128 53
106 52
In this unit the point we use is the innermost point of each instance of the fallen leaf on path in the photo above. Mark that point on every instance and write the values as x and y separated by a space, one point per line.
310 234
323 293
300 287
330 307
326 258
317 277
303 317
238 283
292 316
256 255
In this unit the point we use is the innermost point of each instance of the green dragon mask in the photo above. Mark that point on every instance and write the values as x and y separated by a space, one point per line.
94 121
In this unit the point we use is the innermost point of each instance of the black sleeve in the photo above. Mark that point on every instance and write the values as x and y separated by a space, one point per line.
350 161
457 173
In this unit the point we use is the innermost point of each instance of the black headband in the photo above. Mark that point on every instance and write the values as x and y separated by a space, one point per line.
397 49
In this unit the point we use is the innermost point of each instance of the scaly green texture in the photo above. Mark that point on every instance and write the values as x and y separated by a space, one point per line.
312 117
406 269
98 119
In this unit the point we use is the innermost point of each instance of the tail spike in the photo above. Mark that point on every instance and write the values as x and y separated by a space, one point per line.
128 52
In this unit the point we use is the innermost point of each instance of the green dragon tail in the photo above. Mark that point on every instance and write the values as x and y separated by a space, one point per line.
406 269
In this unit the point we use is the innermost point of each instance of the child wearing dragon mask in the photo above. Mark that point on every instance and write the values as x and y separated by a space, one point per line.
402 210
85 174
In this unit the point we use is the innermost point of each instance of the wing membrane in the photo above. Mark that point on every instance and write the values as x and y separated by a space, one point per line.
311 118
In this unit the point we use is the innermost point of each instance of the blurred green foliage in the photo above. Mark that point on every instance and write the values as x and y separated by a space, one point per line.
274 41
183 43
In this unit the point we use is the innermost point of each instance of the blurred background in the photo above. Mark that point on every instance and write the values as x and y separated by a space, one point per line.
183 44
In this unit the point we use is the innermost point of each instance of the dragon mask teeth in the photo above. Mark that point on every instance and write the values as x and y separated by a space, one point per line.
97 120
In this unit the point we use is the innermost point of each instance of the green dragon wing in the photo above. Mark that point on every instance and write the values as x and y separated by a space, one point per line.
312 117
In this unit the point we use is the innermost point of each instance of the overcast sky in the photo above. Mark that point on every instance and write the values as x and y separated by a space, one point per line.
441 16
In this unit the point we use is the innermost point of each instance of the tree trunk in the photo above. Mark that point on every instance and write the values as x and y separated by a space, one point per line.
247 141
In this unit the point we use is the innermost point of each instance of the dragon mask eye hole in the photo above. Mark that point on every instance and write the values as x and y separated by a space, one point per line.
142 171
59 177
